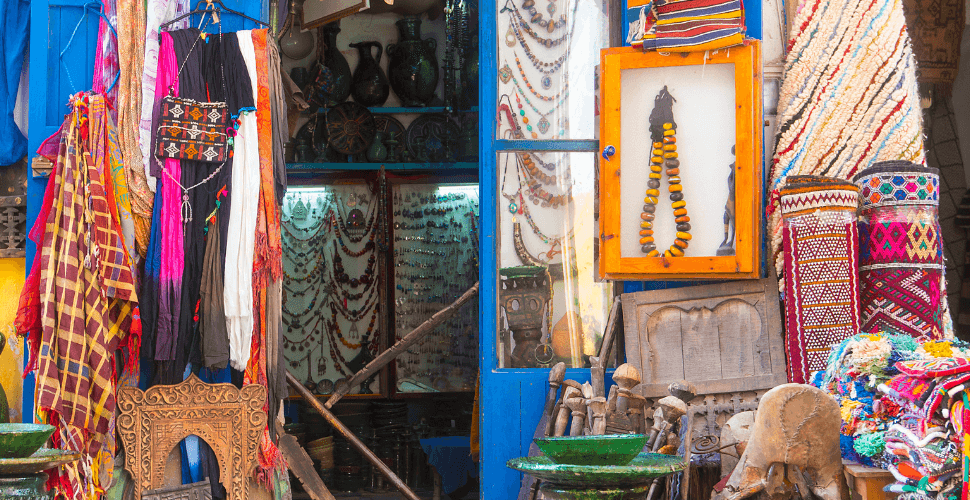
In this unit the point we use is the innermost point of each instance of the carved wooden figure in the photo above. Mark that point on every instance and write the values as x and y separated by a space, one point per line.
794 444
228 419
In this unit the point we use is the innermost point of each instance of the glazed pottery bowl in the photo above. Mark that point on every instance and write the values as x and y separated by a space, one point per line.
615 449
22 440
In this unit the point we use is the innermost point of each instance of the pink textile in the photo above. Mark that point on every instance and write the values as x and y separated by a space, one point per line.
172 236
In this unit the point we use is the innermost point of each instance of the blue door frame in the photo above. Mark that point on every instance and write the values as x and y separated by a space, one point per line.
511 399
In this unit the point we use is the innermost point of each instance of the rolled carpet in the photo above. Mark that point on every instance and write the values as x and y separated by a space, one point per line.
821 244
901 252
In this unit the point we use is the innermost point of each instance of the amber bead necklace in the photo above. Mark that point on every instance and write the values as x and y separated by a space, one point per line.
663 134
517 17
528 85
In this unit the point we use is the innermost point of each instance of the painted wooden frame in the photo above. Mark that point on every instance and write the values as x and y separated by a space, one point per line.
748 178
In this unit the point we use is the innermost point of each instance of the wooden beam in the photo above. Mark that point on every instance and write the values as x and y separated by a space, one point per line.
302 467
395 350
350 437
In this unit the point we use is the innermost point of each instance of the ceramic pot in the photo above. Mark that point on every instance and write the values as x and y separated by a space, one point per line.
333 60
371 87
413 69
377 152
30 487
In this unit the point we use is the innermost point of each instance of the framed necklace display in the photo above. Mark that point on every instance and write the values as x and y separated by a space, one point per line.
331 284
689 205
435 224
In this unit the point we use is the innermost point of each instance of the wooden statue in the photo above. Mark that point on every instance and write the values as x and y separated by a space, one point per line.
793 449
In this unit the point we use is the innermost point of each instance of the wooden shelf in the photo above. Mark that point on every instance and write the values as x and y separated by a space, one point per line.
305 167
413 111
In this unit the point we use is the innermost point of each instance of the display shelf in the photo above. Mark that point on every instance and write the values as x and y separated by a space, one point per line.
381 110
303 167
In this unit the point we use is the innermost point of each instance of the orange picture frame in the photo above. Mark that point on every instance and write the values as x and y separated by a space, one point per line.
746 60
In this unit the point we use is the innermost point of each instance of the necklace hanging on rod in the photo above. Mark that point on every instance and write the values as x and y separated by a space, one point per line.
536 17
546 83
663 134
517 18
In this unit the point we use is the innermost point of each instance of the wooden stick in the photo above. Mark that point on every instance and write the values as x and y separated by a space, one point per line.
395 350
350 437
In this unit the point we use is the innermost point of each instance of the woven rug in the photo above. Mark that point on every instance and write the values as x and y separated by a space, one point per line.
901 253
849 97
821 245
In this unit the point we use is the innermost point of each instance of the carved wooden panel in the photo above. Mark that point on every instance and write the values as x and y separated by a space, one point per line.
724 338
230 420
195 491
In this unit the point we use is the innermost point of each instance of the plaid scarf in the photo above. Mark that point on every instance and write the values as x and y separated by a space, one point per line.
87 302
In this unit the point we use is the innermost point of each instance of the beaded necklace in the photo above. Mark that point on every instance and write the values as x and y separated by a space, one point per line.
343 277
546 68
545 85
663 131
345 228
353 315
335 349
343 246
514 10
549 25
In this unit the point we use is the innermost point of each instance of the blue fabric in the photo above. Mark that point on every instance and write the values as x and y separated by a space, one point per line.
451 457
14 30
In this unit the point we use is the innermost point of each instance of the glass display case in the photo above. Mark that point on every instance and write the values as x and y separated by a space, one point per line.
551 306
435 259
331 284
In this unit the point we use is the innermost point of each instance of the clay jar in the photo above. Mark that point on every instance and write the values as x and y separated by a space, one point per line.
337 64
413 69
370 84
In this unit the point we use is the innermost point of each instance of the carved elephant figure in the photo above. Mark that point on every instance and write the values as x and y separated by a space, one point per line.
793 449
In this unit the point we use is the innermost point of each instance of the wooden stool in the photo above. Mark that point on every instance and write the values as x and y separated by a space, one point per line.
866 483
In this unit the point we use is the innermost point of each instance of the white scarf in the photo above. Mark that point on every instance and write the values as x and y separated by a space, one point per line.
241 237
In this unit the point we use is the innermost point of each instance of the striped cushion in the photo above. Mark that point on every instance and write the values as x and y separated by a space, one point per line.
695 25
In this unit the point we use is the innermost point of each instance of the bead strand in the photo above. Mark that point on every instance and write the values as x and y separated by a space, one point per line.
664 158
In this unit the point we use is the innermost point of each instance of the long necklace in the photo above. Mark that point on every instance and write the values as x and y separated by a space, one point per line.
547 42
333 330
549 25
354 224
342 277
343 246
663 132
525 79
546 68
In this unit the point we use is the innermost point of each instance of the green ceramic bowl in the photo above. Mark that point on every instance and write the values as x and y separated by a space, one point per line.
611 449
22 440
642 470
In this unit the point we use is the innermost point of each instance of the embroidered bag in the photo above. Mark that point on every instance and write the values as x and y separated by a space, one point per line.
193 130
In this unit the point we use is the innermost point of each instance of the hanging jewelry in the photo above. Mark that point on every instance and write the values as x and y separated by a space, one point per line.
663 132
536 17
547 42
545 85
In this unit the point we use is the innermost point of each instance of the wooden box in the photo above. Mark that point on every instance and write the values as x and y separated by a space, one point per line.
717 110
723 338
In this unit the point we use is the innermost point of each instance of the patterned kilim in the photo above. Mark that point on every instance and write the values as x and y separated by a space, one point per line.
696 25
849 96
821 263
901 254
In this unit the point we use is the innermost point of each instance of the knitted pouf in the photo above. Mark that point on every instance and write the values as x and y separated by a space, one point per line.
821 245
901 251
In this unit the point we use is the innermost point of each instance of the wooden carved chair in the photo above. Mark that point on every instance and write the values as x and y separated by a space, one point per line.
230 420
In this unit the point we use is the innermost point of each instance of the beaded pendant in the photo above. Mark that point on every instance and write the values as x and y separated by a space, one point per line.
505 74
546 82
543 125
663 132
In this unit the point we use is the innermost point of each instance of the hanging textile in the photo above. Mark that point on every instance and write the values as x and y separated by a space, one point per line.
901 253
106 54
87 305
821 245
240 244
849 97
131 56
156 12
14 20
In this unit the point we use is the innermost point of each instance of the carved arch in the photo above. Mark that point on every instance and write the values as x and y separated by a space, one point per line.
230 420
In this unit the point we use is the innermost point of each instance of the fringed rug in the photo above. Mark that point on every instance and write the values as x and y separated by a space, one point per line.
901 255
821 245
849 97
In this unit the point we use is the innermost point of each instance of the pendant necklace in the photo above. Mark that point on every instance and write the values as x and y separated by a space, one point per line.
663 135
514 10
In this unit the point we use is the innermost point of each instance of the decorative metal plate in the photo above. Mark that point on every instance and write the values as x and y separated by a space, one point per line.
388 124
351 128
195 491
433 138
